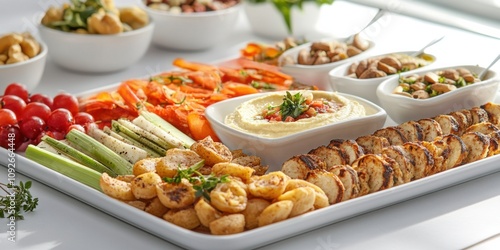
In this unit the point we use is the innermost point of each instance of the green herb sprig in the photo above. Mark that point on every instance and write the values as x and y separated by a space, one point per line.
76 15
17 199
293 105
201 183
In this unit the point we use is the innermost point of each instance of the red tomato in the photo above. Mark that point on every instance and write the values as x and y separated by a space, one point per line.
31 127
7 117
60 120
43 99
18 90
83 118
36 109
11 137
14 103
67 101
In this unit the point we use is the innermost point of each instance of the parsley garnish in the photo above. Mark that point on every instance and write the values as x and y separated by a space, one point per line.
293 105
202 184
18 199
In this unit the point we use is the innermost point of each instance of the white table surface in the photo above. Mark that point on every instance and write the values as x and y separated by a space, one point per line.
453 218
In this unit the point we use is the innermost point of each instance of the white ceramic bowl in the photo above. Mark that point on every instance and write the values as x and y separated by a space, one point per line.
275 151
316 75
401 108
365 88
28 73
95 53
193 31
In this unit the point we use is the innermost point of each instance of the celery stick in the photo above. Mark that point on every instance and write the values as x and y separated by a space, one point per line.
99 152
76 155
119 128
151 152
167 127
64 166
166 138
127 151
122 137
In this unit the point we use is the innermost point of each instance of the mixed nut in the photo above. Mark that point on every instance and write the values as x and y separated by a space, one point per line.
381 66
323 52
15 48
190 6
95 17
434 83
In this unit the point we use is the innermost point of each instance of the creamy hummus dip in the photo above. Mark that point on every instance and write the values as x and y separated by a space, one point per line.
248 116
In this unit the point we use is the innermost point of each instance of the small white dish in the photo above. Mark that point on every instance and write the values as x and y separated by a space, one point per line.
275 151
96 53
402 108
365 88
28 73
193 31
315 75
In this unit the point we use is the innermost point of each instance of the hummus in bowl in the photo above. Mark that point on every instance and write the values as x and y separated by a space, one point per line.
274 150
263 116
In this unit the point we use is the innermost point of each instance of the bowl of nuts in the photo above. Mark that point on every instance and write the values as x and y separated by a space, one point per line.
192 25
310 62
22 60
361 78
95 36
427 93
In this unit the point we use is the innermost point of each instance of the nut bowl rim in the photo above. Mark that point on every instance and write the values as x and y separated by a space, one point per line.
327 66
339 72
492 77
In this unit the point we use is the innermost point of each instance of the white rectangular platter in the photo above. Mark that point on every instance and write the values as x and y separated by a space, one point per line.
260 236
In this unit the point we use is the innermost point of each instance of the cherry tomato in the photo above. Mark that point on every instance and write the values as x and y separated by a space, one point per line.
11 137
67 101
43 99
31 127
14 103
7 117
19 90
60 120
83 118
36 109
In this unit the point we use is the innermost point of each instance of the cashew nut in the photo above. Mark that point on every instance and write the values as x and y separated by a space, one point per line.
30 47
463 71
450 74
53 14
391 61
352 51
386 68
8 40
362 66
372 73
418 86
469 78
104 23
431 77
443 87
134 16
15 54
305 58
420 94
360 43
